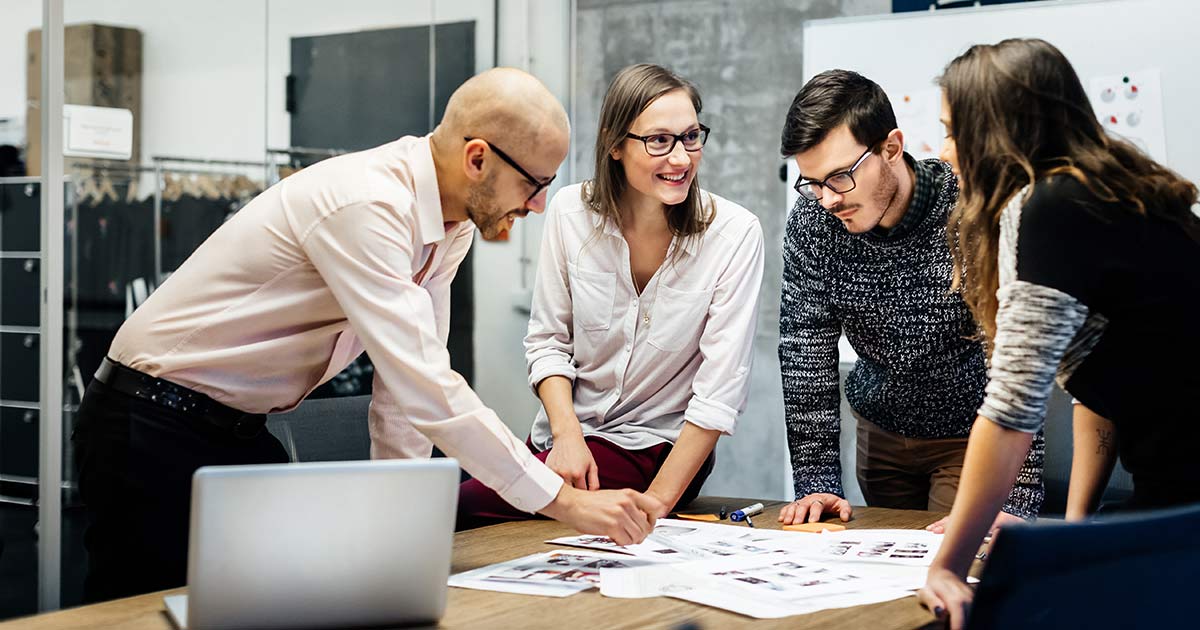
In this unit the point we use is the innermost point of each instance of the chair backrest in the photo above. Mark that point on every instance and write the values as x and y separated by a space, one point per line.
325 429
1129 571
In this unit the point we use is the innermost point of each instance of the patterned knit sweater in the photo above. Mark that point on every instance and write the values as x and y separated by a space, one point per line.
918 373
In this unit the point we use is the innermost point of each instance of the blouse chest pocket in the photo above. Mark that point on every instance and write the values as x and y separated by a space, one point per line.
677 318
592 296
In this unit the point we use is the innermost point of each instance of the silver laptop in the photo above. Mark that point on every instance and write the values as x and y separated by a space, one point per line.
318 545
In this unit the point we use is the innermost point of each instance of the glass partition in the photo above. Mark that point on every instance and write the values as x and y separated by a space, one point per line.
219 100
21 339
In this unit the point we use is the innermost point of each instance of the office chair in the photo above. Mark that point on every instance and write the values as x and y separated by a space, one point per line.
325 429
1130 571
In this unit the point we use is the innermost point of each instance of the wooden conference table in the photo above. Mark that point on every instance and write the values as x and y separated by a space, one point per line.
485 609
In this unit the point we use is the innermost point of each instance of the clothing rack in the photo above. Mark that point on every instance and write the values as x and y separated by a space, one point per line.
309 151
218 162
161 167
297 156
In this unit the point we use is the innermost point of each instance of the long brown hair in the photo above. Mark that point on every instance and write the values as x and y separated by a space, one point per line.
631 91
1019 114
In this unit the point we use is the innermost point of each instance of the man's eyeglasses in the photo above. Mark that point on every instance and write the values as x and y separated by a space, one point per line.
841 182
537 184
660 144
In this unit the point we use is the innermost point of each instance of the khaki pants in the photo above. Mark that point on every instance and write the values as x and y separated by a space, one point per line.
907 473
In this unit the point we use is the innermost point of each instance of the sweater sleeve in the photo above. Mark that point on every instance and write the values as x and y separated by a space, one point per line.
808 357
1028 491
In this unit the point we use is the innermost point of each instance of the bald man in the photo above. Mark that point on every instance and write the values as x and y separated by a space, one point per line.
355 253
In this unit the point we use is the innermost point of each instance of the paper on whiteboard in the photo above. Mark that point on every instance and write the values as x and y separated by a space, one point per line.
918 116
1130 106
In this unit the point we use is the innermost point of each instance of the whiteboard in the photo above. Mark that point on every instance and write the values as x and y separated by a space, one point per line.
1150 40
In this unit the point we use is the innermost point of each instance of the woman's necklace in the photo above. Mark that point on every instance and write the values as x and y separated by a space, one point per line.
653 298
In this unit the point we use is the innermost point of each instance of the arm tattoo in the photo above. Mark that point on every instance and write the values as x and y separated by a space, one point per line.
1106 441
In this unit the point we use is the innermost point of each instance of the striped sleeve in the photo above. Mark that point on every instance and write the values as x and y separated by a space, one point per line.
1034 326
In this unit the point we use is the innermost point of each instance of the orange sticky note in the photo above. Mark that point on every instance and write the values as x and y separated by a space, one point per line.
711 518
815 528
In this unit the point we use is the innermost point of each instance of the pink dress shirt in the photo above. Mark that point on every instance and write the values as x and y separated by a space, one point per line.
346 255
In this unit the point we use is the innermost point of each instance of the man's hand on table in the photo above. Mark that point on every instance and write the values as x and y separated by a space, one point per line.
625 516
811 508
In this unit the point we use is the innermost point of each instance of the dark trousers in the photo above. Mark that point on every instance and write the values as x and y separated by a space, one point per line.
618 468
136 460
907 473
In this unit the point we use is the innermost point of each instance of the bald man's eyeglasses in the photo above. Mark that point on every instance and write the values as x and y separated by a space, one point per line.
537 184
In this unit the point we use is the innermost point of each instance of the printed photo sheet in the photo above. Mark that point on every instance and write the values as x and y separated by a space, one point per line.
551 574
889 546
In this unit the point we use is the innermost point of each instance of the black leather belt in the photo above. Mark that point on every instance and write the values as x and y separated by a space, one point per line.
172 396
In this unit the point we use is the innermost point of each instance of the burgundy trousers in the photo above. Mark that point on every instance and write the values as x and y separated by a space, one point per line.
618 468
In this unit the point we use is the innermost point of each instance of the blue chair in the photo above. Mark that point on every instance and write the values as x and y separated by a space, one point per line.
1133 571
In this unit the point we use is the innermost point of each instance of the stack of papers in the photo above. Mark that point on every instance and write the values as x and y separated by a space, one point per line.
756 572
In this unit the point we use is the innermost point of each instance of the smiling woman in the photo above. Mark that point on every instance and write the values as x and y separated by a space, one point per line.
649 103
644 310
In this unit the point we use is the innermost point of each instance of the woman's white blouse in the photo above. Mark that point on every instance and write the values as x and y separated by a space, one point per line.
644 364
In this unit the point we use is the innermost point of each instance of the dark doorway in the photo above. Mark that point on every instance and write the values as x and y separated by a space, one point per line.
358 90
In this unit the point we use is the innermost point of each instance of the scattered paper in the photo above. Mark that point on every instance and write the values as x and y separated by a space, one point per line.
761 573
757 586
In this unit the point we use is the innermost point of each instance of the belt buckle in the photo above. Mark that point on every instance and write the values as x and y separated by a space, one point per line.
245 427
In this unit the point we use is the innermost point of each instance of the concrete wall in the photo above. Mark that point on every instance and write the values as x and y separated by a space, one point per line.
744 56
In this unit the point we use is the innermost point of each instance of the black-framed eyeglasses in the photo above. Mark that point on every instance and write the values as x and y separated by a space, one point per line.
840 182
660 144
538 185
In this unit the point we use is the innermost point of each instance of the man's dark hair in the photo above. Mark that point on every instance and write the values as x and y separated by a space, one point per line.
830 99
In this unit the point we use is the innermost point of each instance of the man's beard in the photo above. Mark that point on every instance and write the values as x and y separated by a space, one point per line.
484 212
883 197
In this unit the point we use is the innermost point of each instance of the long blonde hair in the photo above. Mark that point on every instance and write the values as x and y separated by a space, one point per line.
1018 114
631 91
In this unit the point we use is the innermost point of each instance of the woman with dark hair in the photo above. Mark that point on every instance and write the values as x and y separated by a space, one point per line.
1080 257
644 310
